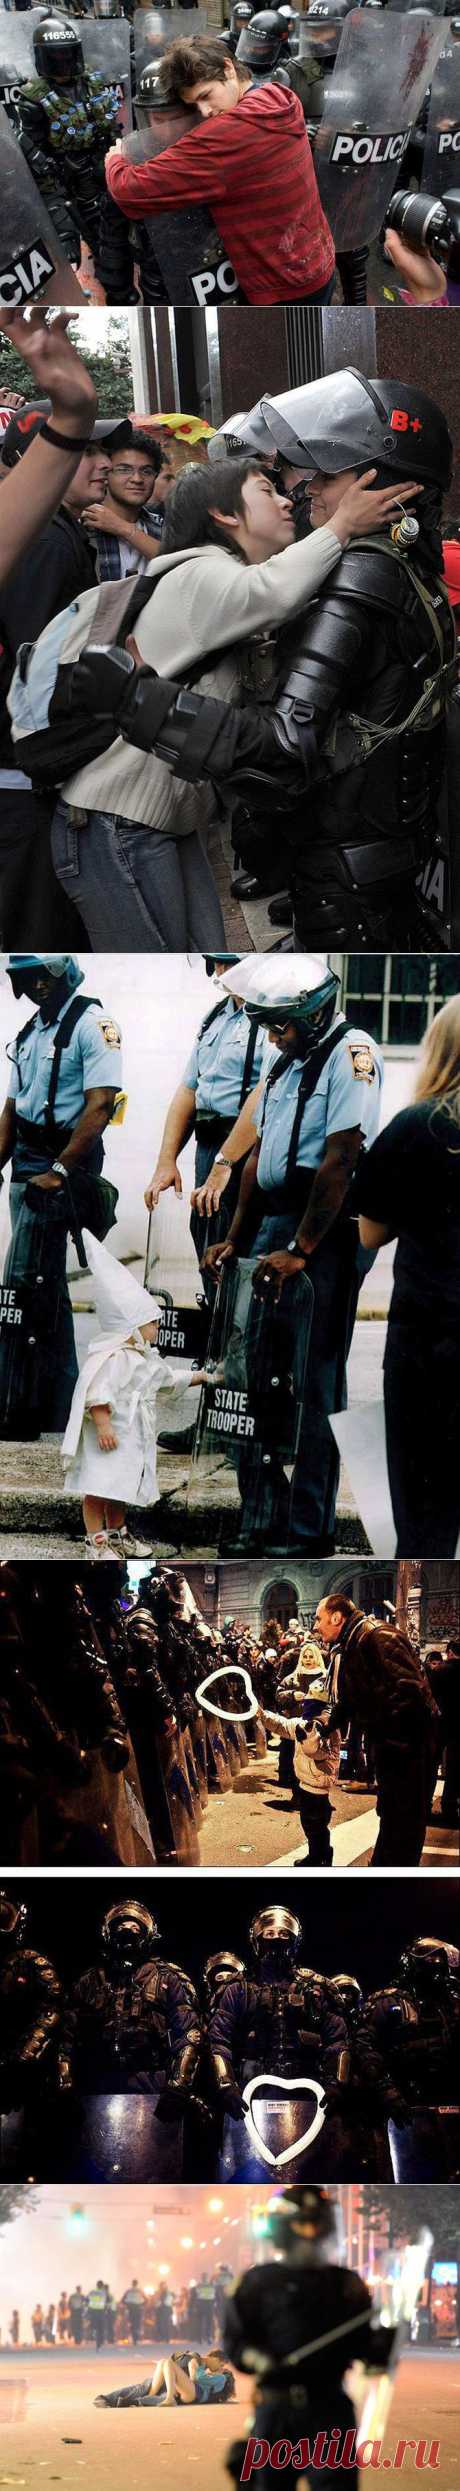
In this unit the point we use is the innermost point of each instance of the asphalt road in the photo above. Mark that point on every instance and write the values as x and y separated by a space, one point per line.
128 2450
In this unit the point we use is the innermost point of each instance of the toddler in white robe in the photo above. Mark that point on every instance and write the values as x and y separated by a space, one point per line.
109 1447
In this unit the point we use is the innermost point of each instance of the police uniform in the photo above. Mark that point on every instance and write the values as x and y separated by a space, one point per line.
226 1063
90 1059
64 134
294 1130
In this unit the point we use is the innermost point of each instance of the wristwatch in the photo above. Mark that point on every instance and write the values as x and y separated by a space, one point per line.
58 1169
295 1248
221 1161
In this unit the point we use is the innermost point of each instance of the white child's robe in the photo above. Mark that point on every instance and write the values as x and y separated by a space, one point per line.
127 1378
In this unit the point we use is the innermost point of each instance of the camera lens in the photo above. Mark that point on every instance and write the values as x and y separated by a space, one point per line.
422 222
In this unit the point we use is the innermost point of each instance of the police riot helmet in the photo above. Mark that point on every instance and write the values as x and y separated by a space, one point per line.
240 15
13 1922
24 969
213 959
425 1966
289 21
260 44
275 1938
305 2217
242 434
150 95
279 991
57 51
349 1994
129 1933
218 1971
348 421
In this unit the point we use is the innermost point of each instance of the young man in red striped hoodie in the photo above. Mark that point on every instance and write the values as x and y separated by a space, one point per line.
251 162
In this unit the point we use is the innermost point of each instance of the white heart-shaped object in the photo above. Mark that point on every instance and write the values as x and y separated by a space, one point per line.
285 2084
233 1670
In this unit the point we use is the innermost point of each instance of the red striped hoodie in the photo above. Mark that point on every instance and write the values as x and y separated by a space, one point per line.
254 168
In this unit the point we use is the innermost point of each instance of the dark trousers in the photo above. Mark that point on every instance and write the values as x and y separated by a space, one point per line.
315 1816
308 1519
33 909
422 1416
37 1255
290 2416
404 1794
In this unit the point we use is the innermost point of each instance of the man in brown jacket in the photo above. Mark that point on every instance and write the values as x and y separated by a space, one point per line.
379 1683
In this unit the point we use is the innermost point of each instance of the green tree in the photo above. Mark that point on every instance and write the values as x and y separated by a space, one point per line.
109 363
411 2205
16 2200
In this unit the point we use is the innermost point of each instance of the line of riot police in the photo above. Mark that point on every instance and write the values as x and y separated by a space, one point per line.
129 2072
111 1761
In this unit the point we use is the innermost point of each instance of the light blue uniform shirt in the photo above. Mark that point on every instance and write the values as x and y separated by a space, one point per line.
216 1065
348 1092
91 1061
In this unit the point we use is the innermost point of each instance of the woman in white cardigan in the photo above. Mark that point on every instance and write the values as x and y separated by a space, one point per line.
129 838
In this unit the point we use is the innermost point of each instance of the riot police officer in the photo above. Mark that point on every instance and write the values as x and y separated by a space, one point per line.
65 1076
218 1970
372 870
279 2019
31 2053
222 1070
413 2027
319 1108
132 2023
383 626
265 48
296 2326
68 116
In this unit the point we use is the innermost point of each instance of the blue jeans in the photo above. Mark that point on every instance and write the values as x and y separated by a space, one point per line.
135 890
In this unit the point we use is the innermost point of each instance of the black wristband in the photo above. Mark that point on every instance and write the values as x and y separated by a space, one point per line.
63 440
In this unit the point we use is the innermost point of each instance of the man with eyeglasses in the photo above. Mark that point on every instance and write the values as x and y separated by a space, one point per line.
124 524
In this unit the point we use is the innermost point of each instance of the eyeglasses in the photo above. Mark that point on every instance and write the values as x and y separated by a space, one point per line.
134 475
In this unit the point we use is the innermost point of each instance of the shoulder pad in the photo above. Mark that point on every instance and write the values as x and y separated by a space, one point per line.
367 572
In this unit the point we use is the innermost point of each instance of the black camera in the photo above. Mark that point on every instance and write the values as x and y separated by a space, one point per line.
429 224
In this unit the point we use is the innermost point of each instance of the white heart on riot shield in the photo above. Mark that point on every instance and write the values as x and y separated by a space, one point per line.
231 1671
285 2084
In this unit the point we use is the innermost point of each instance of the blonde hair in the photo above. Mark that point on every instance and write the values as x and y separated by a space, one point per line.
439 1071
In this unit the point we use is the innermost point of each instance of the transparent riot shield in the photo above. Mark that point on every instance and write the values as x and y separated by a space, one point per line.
105 45
32 263
37 1350
155 29
114 2137
247 1436
191 257
441 162
374 97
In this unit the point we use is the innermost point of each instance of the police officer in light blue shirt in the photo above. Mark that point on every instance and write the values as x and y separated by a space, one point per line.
65 1072
319 1109
224 1066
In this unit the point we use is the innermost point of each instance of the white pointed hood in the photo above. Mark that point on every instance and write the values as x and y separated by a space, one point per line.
122 1302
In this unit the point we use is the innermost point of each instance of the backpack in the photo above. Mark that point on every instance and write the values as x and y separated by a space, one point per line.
50 724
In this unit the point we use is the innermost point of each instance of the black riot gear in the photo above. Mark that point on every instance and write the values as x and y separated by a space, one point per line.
304 2221
13 1923
32 2062
350 1995
424 1968
275 1938
217 1971
57 51
129 1934
348 421
263 43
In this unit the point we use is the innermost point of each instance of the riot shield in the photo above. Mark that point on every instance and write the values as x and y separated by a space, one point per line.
180 1797
32 263
248 1428
198 1734
374 97
190 255
105 45
155 29
37 1358
441 162
113 2137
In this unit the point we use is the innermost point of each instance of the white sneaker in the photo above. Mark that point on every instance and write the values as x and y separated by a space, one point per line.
124 1544
99 1545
